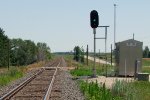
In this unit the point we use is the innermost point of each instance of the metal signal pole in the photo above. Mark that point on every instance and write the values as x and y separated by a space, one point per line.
99 57
105 45
87 55
94 32
106 48
111 54
114 25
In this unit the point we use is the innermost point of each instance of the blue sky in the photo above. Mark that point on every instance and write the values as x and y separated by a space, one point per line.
63 24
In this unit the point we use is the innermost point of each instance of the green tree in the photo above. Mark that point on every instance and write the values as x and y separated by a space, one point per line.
17 53
146 52
4 47
77 53
44 52
23 52
31 51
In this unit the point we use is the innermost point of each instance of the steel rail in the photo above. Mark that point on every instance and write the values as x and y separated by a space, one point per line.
19 87
53 63
47 96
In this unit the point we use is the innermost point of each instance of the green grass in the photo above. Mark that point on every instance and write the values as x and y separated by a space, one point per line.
8 76
121 90
146 69
81 69
84 70
81 72
141 90
145 62
93 91
138 90
146 66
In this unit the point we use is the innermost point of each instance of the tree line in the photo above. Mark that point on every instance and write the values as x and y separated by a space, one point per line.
18 52
79 53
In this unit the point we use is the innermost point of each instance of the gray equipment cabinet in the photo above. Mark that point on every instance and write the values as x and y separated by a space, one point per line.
127 53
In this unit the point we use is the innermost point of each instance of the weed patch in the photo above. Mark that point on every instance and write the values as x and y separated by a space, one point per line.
138 90
81 72
93 91
9 76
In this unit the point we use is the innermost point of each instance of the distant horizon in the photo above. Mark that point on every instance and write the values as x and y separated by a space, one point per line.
74 46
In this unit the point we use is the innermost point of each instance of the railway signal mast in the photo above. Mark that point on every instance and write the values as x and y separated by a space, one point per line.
94 19
114 26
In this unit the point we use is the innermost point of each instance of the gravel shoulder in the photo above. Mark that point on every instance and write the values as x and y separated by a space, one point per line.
69 88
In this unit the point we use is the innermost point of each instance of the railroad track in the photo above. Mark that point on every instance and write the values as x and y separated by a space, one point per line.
37 87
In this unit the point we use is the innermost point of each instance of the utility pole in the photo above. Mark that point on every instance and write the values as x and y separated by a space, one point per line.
87 54
99 57
114 25
8 53
111 54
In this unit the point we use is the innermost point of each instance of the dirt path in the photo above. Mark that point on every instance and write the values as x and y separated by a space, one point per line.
99 60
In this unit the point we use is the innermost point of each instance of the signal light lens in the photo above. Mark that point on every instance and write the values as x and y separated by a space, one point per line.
94 19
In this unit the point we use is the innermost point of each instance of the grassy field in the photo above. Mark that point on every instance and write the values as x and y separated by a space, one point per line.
146 65
82 69
146 62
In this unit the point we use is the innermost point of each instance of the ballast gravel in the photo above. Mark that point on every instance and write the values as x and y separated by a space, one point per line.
68 88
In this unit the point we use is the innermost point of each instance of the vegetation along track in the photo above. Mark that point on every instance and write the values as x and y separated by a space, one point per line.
38 86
